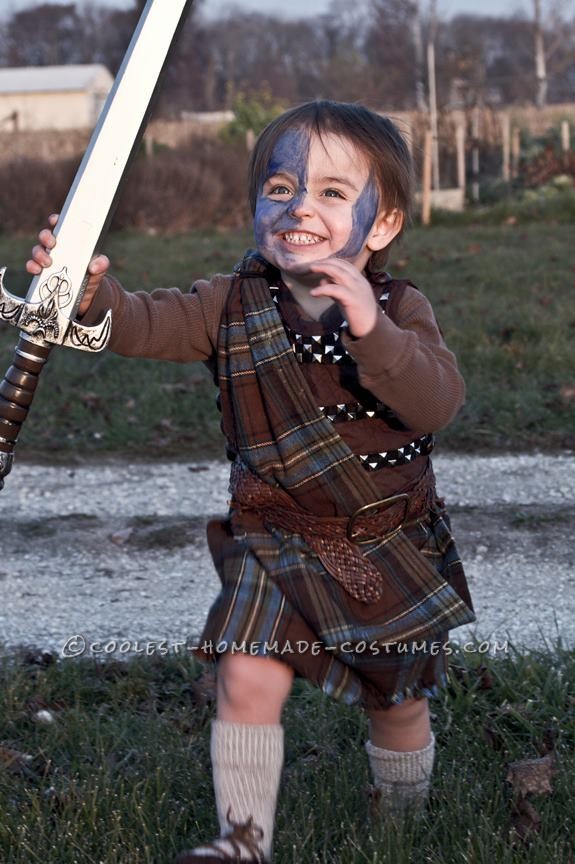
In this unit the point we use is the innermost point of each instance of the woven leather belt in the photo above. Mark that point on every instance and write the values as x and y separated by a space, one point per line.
335 540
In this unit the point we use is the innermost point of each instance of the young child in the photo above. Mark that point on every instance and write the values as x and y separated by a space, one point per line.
336 560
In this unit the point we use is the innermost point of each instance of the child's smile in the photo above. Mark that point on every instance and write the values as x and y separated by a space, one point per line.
317 201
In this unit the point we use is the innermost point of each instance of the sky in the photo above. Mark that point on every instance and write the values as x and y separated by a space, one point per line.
299 8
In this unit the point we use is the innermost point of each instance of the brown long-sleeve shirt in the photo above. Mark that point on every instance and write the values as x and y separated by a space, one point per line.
403 362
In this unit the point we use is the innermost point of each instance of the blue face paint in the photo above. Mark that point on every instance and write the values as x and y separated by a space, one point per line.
364 212
275 216
272 217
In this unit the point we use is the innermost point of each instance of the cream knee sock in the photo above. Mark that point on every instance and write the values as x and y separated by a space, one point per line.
402 778
247 762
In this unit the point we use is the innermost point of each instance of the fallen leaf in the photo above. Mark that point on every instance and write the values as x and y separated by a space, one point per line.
532 775
15 762
567 392
550 736
121 537
38 703
524 709
91 400
485 677
43 658
526 821
373 795
493 737
168 425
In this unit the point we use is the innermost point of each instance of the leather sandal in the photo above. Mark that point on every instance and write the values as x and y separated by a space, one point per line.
245 833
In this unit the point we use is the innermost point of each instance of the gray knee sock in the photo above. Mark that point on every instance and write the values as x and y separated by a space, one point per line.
402 778
247 762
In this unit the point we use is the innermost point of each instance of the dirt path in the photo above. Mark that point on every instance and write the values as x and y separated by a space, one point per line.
116 550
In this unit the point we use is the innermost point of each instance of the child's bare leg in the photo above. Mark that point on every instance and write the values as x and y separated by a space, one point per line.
402 727
401 752
252 689
247 757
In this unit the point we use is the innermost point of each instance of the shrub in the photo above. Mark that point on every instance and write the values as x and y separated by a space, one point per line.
198 185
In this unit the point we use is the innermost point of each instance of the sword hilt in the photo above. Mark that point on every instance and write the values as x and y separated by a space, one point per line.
16 395
45 322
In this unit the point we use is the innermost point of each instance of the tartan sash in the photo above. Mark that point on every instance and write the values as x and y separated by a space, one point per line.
273 424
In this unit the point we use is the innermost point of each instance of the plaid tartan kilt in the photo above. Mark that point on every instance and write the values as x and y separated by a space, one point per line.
278 600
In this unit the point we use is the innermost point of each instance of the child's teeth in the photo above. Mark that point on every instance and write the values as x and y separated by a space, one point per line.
303 239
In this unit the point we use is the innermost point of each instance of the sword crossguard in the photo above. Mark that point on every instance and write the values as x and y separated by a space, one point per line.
46 322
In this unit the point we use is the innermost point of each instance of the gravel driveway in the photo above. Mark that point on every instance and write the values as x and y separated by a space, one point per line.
114 550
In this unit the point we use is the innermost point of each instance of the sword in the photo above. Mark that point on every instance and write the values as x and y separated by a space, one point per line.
46 316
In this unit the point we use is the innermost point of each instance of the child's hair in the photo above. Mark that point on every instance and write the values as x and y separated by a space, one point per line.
374 135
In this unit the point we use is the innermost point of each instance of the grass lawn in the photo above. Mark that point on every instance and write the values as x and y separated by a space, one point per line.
503 295
122 775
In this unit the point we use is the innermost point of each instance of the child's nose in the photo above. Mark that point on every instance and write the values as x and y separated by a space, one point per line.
300 205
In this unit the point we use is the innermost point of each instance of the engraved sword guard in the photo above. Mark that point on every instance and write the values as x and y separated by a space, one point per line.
42 325
46 321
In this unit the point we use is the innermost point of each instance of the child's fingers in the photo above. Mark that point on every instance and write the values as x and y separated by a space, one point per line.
46 238
33 268
330 289
40 259
98 265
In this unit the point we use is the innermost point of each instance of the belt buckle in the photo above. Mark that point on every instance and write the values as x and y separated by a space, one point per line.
387 502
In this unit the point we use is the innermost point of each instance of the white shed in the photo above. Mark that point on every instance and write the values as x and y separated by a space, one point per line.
52 97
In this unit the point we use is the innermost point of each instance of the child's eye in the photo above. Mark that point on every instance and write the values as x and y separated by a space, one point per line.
332 193
279 190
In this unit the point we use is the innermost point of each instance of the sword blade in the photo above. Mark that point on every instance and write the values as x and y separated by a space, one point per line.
46 316
92 193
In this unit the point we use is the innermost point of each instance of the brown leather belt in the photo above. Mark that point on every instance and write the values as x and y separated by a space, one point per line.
335 540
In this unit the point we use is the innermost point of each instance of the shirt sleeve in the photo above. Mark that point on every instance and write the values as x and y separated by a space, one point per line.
408 366
166 324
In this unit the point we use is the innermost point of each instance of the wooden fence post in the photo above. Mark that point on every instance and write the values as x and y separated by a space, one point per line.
407 133
250 140
426 178
475 154
460 146
433 113
515 150
565 136
506 134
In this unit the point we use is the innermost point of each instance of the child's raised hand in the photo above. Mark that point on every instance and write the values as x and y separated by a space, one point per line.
350 290
40 259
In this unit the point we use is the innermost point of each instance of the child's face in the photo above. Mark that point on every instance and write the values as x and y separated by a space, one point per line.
317 201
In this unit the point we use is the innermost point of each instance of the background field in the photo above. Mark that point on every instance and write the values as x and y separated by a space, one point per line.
503 294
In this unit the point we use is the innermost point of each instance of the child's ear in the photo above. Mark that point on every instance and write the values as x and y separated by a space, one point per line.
385 229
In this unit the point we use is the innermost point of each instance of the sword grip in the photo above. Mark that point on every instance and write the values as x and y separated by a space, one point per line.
16 395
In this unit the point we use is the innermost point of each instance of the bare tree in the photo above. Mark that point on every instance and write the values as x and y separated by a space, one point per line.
432 87
417 35
389 55
540 59
45 35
